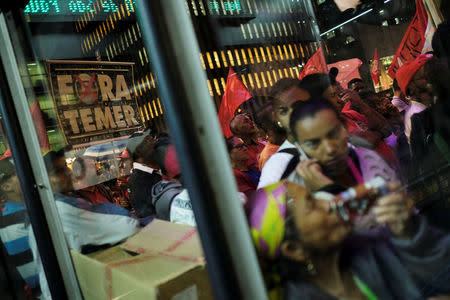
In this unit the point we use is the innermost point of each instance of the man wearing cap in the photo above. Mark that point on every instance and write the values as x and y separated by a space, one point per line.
412 82
14 228
421 79
144 173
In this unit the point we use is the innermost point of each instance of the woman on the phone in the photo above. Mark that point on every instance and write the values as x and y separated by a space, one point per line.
328 162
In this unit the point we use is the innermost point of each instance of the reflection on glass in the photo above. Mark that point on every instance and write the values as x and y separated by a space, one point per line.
113 167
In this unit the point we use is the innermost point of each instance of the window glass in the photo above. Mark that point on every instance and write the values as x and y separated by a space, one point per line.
18 268
305 94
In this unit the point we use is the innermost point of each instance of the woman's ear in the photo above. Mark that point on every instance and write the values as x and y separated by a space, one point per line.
293 250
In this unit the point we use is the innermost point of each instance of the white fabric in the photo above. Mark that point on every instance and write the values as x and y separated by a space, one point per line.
399 103
84 227
181 210
275 166
415 108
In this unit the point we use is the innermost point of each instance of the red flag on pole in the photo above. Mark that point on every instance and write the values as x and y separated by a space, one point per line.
39 125
235 94
375 72
414 42
315 64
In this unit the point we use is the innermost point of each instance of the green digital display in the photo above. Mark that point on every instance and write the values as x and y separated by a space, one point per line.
234 6
74 7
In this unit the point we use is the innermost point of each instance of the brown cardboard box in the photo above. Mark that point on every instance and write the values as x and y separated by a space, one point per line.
170 266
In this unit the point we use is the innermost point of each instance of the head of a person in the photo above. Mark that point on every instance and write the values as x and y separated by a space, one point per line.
413 79
356 84
334 72
166 157
310 229
275 133
321 133
284 93
300 228
242 125
60 176
441 42
140 146
237 151
85 170
9 182
320 85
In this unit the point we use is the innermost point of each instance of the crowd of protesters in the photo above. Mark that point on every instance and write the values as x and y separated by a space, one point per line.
311 140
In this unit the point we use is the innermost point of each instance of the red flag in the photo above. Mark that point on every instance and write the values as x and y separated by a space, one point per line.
413 42
375 72
39 125
315 64
6 154
235 94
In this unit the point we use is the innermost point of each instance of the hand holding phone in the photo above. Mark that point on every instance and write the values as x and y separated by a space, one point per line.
311 173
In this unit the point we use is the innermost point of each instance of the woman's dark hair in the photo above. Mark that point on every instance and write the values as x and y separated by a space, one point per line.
305 109
160 150
316 84
283 85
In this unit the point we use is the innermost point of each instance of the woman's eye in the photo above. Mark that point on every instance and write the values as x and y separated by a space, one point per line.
312 145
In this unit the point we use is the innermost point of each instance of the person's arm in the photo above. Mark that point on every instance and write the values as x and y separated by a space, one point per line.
376 121
423 250
95 224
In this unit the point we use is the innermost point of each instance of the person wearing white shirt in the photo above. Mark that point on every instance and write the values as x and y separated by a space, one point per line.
285 93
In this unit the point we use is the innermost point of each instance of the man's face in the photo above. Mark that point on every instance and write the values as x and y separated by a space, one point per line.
12 187
358 86
244 125
61 176
332 95
418 88
239 151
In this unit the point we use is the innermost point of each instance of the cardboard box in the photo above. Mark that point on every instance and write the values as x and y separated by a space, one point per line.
166 263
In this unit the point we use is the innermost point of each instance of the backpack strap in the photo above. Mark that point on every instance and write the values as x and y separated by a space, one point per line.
292 163
162 202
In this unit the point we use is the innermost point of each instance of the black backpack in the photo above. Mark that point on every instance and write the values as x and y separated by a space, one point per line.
163 194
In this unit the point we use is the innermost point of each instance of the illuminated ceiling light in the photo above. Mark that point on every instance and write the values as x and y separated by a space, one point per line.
348 21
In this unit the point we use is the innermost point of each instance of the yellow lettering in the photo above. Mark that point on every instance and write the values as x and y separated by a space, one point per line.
122 90
65 88
104 120
117 110
86 118
106 85
128 111
72 115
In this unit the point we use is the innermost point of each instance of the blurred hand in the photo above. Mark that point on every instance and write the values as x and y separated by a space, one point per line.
353 97
311 172
394 210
